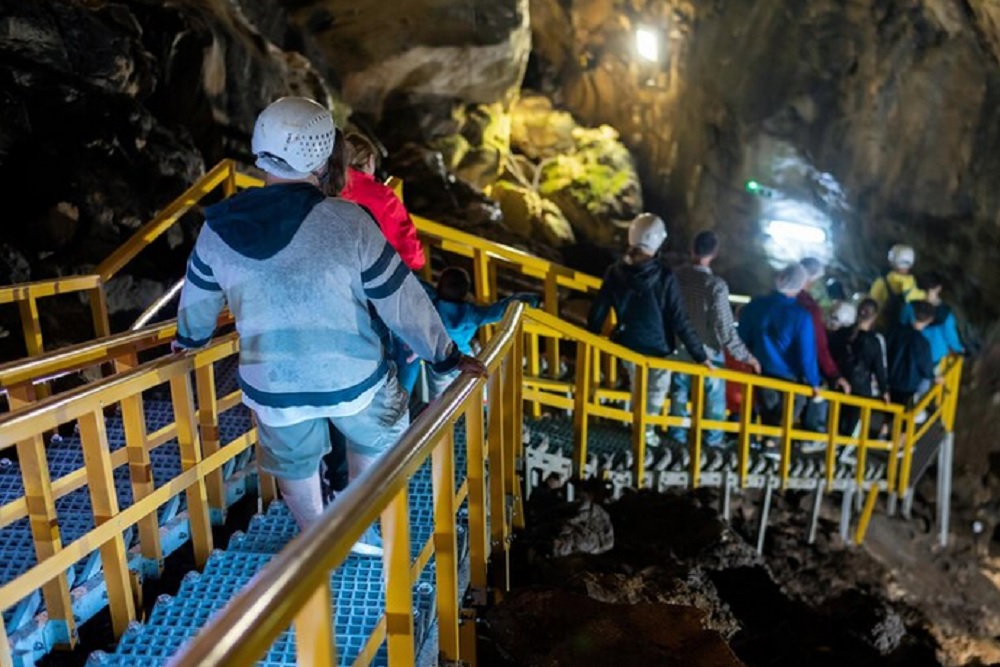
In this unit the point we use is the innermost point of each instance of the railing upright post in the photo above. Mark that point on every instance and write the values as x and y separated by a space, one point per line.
894 448
6 659
866 420
315 640
694 432
499 519
787 423
534 369
32 325
44 525
581 398
104 500
832 431
515 408
475 445
190 449
746 419
904 472
481 285
208 428
445 545
398 586
551 305
229 185
140 469
99 311
640 409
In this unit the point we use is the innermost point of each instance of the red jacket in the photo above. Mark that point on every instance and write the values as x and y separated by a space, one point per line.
389 213
826 362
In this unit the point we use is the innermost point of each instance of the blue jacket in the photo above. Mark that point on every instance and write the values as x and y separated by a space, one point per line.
781 335
463 319
909 360
942 334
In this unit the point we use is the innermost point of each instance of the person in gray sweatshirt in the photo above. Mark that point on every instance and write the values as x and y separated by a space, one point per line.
300 272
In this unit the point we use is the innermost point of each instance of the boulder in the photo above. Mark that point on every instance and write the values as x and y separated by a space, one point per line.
526 213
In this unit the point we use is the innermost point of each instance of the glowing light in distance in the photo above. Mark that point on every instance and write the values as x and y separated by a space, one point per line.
796 231
753 186
647 43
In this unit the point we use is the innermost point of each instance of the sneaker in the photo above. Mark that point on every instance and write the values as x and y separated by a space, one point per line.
370 543
814 447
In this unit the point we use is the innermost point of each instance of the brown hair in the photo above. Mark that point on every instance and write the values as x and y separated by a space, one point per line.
336 166
361 150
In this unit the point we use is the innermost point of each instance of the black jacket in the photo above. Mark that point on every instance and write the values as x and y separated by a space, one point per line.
649 307
859 360
910 360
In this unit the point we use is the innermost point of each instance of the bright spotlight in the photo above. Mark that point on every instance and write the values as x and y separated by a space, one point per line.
796 231
647 43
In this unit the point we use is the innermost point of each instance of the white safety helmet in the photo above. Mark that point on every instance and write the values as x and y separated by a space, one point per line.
293 137
901 256
647 232
843 314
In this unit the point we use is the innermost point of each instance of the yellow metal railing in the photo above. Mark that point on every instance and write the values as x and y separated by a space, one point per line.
202 457
26 295
294 588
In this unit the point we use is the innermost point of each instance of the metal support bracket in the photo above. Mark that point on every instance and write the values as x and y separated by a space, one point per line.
814 518
765 511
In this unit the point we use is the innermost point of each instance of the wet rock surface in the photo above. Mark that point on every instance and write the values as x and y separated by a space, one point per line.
798 604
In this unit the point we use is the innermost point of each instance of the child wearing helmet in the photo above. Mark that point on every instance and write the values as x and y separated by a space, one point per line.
897 287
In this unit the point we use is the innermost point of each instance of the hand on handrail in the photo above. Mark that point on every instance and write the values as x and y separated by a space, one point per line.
708 364
472 365
844 385
754 365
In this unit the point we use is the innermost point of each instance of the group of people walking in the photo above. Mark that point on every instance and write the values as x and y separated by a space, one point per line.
889 346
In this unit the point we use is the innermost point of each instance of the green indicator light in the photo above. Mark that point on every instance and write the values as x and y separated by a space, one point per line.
753 186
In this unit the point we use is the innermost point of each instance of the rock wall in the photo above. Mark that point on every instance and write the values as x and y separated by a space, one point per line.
881 114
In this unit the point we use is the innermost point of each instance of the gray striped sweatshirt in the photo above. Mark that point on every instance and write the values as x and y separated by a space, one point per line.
298 271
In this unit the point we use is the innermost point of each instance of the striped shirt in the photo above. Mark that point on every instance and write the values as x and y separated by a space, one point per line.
706 299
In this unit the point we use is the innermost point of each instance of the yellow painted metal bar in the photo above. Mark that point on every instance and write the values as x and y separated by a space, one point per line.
189 445
787 419
315 641
551 306
164 220
12 592
743 443
866 420
617 414
398 585
580 410
32 326
544 398
495 453
516 406
104 500
640 406
445 545
534 368
6 660
99 312
695 432
44 288
244 181
833 430
141 471
908 442
866 514
374 644
475 443
44 525
208 429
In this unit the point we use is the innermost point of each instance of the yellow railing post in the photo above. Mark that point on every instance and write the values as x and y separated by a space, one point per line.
229 185
694 432
515 406
787 423
6 660
140 468
895 444
534 369
99 311
190 448
499 520
475 444
640 408
427 272
208 428
551 306
746 418
481 284
445 545
581 399
866 514
398 586
104 500
45 531
832 431
866 420
904 472
32 326
315 641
